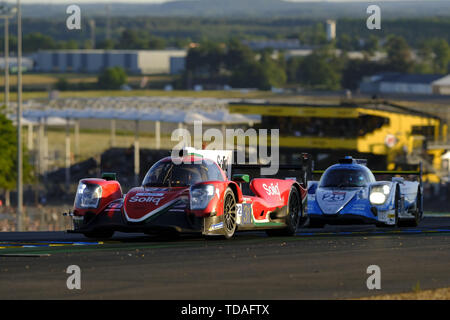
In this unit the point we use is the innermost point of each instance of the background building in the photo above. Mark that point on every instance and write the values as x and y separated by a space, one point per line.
276 44
389 136
93 61
442 86
399 83
27 64
331 30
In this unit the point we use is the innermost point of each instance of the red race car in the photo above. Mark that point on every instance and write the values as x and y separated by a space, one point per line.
195 195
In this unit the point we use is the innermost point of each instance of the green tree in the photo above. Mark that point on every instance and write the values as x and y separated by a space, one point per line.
12 43
425 57
399 56
356 69
441 56
132 39
8 157
112 78
106 44
237 54
273 70
292 65
62 84
371 45
70 45
206 60
345 43
318 35
87 44
156 43
321 69
35 41
262 74
249 75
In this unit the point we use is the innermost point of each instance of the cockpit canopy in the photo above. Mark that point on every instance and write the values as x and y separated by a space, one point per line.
166 173
340 176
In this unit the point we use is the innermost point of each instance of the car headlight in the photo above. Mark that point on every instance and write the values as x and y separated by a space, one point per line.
379 194
88 196
201 195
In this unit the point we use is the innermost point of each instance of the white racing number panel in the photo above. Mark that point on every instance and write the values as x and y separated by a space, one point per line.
244 215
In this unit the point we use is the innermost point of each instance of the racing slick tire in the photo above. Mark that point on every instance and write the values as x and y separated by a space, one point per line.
99 234
397 205
229 214
292 219
417 214
396 223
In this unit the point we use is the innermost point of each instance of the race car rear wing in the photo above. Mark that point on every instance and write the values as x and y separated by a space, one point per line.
304 168
418 173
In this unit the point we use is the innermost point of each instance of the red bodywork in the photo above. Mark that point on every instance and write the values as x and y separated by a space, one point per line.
142 204
111 191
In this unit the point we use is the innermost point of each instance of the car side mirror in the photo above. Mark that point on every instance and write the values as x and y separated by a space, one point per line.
241 178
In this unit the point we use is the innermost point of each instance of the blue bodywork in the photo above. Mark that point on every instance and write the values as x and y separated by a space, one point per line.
348 193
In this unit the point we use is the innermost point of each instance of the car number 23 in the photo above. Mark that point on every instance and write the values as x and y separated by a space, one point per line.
333 196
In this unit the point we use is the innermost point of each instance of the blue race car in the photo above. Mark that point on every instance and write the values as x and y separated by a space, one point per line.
348 193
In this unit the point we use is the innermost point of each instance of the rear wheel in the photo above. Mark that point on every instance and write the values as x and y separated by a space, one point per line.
417 214
293 216
229 214
397 207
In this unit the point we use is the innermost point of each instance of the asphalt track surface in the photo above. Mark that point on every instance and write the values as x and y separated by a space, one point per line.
329 263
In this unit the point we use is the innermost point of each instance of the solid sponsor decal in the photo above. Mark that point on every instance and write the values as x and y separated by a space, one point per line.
145 199
272 189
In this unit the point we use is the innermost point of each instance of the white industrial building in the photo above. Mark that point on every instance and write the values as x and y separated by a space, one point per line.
399 83
27 64
442 86
94 61
331 30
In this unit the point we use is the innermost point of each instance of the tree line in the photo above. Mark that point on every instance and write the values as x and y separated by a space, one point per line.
235 64
216 64
157 32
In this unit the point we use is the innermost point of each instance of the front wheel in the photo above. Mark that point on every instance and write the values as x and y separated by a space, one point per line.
229 214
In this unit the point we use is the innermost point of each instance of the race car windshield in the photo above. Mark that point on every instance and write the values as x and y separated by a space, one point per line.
345 178
168 174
